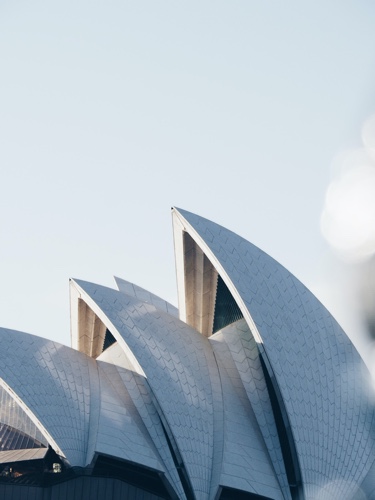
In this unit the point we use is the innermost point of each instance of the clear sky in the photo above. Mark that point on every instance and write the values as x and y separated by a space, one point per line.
112 112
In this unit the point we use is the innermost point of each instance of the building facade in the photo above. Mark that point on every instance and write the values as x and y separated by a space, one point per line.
249 390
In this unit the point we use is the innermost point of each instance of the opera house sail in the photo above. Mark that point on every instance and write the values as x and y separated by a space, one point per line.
249 390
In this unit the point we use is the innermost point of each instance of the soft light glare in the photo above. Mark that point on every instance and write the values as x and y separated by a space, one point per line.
348 219
327 491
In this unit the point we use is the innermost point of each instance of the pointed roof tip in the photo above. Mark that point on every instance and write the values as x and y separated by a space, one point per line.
177 209
77 280
183 212
119 280
82 283
191 218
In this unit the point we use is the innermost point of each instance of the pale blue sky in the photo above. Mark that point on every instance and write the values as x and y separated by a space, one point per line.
112 112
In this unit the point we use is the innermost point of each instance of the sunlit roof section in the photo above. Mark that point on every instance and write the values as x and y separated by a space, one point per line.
145 296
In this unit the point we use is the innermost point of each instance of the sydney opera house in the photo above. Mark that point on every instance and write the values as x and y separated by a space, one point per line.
249 390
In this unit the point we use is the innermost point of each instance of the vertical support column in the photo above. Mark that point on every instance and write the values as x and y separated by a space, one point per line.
200 287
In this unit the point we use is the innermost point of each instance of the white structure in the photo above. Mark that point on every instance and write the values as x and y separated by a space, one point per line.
253 392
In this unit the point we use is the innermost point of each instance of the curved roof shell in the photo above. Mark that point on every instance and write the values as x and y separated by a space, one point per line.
313 366
72 400
182 373
254 389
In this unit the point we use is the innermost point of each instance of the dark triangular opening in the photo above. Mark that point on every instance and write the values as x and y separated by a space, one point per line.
109 340
226 308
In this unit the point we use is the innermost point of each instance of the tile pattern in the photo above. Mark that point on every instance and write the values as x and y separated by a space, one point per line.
53 381
145 296
12 414
243 352
201 396
209 396
246 463
121 432
142 408
74 399
319 372
176 360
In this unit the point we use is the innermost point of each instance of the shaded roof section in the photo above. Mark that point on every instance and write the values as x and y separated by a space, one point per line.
14 439
12 416
315 367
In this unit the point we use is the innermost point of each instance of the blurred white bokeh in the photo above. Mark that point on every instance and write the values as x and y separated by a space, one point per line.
348 218
348 225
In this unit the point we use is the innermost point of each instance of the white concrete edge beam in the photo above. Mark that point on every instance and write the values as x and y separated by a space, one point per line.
178 238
